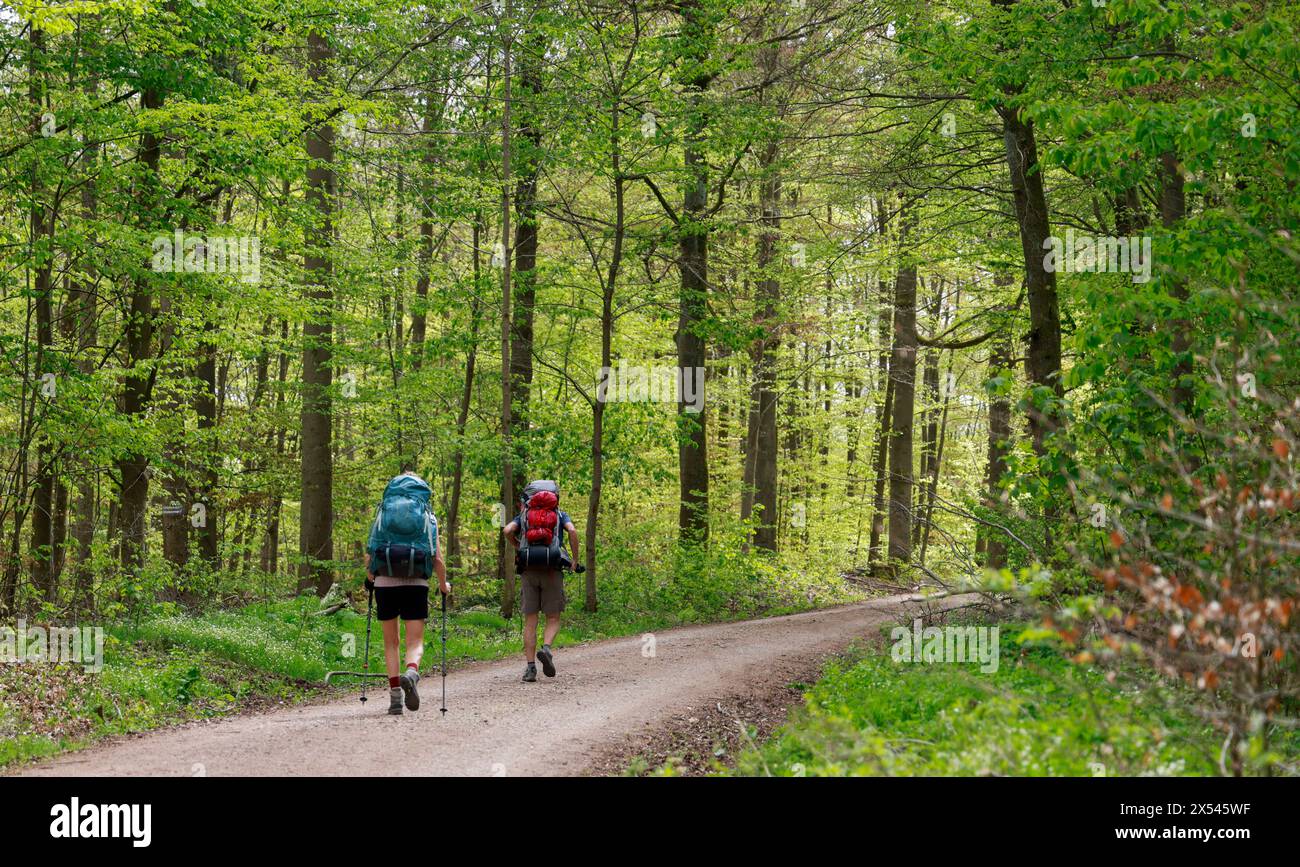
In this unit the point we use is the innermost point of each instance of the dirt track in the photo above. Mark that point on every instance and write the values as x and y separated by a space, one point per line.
606 698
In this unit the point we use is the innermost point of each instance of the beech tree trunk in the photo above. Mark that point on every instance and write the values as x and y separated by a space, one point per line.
999 445
902 373
929 413
316 536
769 289
137 387
505 562
424 256
271 540
43 554
524 279
82 320
1043 363
884 415
751 440
466 395
693 262
606 338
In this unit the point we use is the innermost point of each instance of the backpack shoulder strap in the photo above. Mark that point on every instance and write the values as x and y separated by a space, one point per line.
555 534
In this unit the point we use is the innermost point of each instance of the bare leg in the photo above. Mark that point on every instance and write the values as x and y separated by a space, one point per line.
414 642
530 637
392 647
551 628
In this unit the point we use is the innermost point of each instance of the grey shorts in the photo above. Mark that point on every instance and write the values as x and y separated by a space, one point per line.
542 590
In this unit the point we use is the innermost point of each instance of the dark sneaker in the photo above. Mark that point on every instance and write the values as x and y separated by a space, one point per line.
395 700
547 660
530 673
408 680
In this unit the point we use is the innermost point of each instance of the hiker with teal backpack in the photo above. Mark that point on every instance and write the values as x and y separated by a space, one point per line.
540 558
402 553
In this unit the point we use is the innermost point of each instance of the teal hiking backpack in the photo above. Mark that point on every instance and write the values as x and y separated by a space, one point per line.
404 535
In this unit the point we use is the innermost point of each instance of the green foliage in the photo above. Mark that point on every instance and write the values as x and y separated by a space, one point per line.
1037 715
279 639
802 129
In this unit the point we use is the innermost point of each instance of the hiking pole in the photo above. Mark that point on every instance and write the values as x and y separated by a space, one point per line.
444 654
365 663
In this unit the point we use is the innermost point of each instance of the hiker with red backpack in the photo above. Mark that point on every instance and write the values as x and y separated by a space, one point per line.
537 534
402 553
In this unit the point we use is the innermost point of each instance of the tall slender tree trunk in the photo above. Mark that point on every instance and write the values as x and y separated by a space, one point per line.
606 338
133 467
854 389
853 432
466 395
884 415
176 505
722 360
419 309
932 483
399 285
929 413
83 322
59 537
693 261
751 440
769 289
43 554
175 482
524 279
795 408
262 461
205 408
316 534
1043 362
902 372
995 550
505 564
271 540
936 428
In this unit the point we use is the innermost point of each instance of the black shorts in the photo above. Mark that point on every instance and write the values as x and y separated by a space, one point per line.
409 603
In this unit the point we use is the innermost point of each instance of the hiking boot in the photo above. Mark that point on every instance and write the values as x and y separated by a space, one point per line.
530 673
408 680
395 700
547 660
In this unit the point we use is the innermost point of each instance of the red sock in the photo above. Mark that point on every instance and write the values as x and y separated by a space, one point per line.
413 666
394 683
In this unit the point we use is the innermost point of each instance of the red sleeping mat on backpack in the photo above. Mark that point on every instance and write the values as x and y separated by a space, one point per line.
543 519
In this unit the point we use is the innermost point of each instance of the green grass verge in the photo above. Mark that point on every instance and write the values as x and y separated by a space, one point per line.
1037 715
